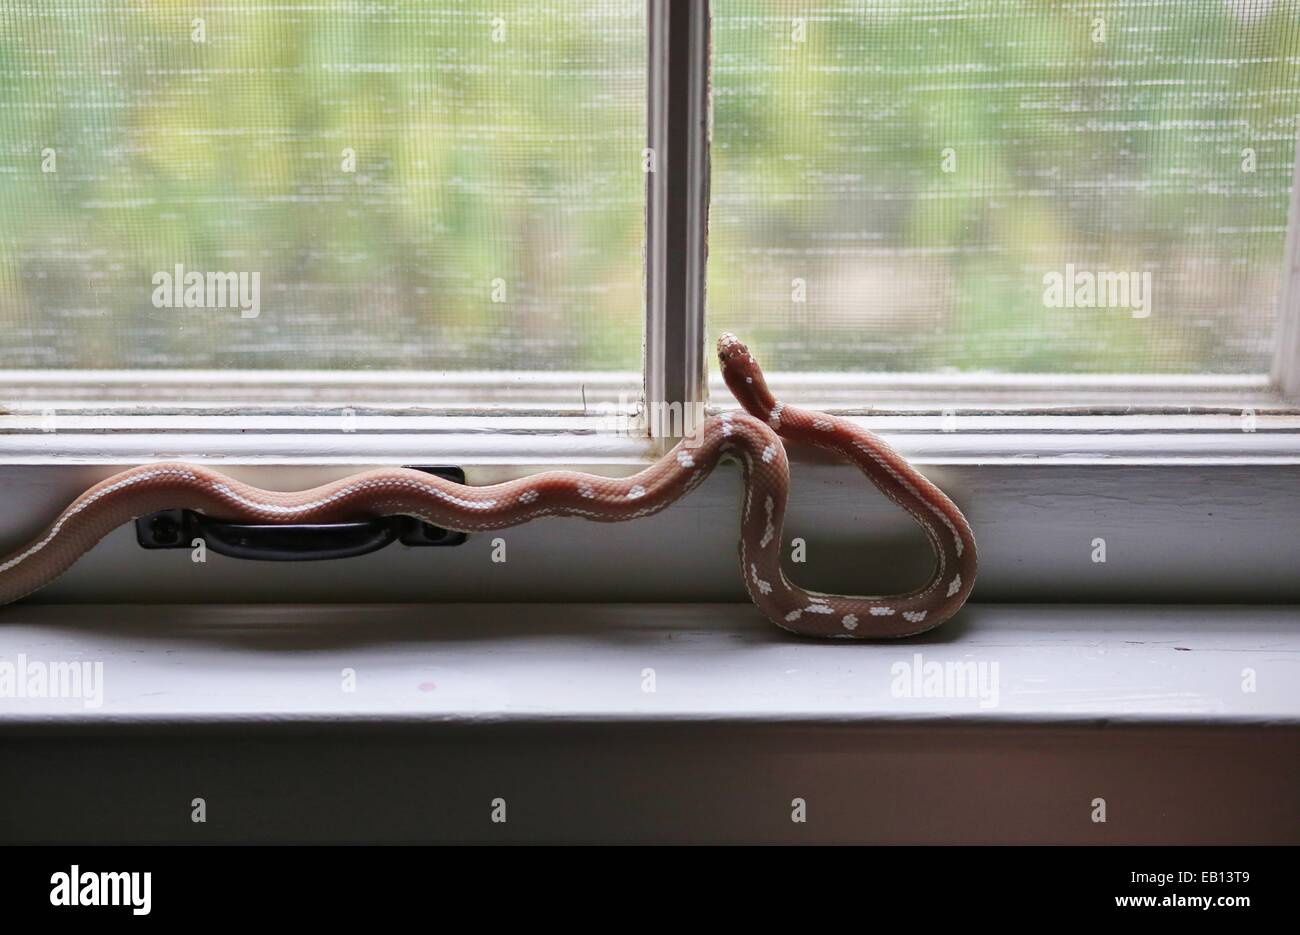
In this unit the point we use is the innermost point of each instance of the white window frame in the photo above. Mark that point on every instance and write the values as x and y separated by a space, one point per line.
1285 376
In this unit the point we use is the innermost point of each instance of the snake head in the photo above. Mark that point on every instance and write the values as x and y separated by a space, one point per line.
731 349
744 377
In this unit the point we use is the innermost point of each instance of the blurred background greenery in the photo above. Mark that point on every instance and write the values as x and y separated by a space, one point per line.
500 143
495 144
1109 135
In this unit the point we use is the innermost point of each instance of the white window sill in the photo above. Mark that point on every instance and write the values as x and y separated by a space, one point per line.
459 709
503 663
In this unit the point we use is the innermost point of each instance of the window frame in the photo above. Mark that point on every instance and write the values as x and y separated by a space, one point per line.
1285 374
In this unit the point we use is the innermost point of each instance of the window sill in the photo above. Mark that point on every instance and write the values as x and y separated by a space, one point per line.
460 711
508 663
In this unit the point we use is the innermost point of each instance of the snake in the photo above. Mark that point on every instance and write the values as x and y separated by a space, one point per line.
755 437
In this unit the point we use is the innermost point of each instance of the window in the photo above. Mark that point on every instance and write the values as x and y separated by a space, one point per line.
486 231
959 192
876 195
1004 187
415 186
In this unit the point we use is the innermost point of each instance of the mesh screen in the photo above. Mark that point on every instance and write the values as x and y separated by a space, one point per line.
417 184
922 185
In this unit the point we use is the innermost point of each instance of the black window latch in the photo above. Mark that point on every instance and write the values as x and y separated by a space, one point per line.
301 542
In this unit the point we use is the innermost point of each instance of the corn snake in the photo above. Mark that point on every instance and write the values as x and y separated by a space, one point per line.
752 437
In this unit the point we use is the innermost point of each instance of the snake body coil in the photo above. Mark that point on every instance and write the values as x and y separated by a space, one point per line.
753 438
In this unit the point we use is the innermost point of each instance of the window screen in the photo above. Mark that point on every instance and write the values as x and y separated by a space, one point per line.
418 184
925 185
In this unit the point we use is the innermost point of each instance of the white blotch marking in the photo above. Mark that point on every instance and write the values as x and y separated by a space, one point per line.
850 622
636 492
819 609
769 453
685 460
915 616
585 490
954 586
528 496
769 530
775 417
763 586
879 611
793 615
821 424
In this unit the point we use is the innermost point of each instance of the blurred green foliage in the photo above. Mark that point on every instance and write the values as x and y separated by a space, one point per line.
497 156
1110 135
500 144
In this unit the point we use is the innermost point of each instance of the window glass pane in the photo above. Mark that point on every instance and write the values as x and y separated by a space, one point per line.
921 185
417 184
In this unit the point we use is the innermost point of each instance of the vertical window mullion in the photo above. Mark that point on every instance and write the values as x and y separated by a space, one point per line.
677 197
1286 354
